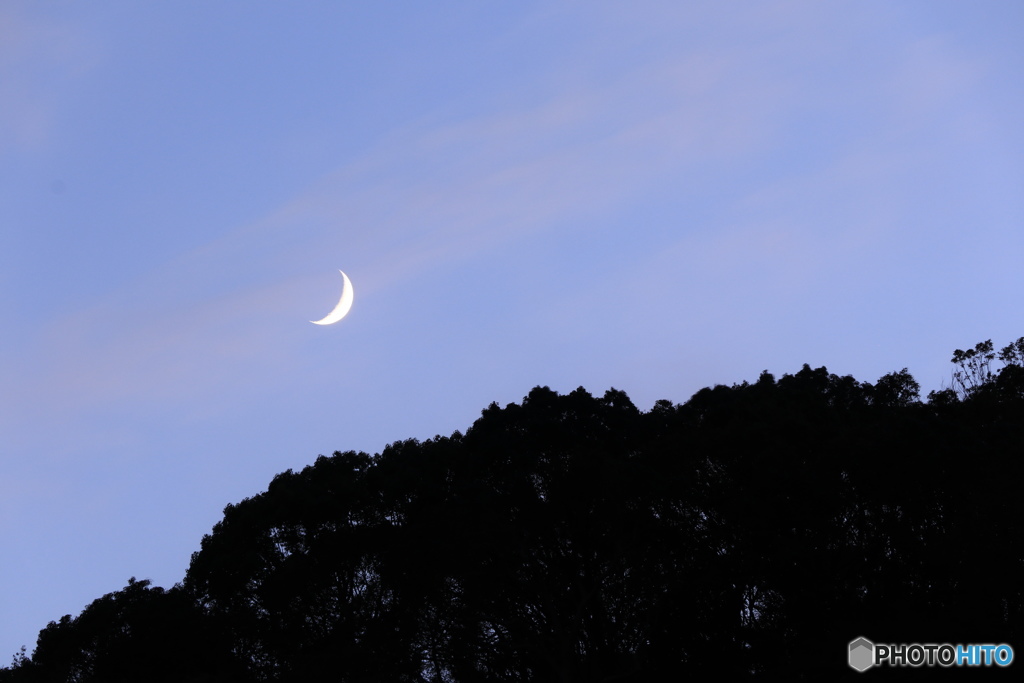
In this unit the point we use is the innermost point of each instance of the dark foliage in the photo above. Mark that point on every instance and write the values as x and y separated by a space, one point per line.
751 532
136 634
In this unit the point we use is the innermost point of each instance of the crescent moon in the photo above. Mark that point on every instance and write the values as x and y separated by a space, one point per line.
343 306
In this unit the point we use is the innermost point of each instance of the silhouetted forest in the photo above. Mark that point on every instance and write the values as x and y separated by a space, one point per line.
751 532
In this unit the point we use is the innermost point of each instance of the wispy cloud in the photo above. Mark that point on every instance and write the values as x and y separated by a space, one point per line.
39 62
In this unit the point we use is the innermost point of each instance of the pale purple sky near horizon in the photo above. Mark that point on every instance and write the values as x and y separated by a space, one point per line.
655 196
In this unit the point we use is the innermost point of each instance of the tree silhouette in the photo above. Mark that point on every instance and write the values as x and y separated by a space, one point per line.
751 532
973 368
137 633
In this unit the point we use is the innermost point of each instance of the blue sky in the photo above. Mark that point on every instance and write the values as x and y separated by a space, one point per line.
655 196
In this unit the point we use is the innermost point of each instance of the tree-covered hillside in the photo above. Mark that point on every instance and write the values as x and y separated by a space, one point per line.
752 531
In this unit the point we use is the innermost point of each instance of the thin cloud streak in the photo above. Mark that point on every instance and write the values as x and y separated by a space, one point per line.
34 52
456 216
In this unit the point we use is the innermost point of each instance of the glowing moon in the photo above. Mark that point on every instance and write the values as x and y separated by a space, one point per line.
343 306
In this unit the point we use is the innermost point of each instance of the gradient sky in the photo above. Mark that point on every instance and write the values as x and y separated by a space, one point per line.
652 196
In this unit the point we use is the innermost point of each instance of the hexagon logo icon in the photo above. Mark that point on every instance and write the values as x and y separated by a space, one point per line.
862 654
